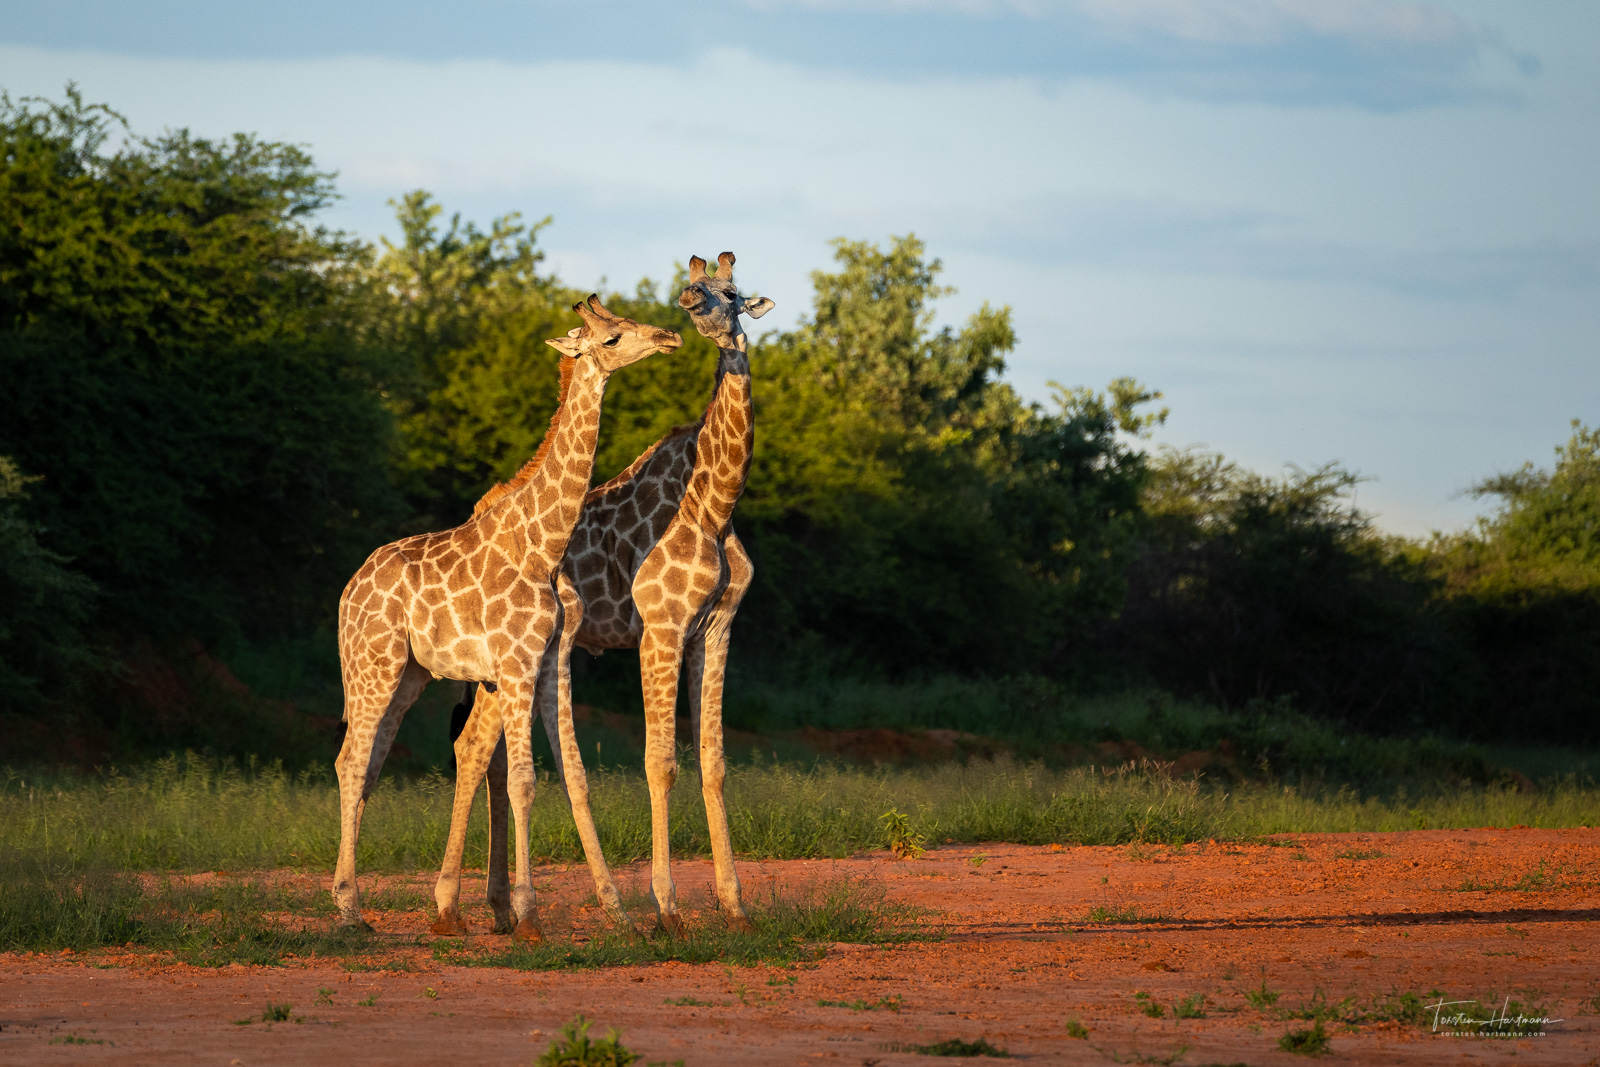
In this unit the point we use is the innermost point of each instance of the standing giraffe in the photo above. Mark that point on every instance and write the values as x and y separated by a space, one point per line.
653 564
478 602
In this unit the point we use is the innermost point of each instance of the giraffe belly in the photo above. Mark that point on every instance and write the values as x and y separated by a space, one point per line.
465 659
608 624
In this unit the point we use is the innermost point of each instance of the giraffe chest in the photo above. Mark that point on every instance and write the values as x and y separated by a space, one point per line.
476 629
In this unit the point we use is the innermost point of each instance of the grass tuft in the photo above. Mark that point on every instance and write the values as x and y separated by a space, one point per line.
577 1049
1312 1042
954 1046
787 931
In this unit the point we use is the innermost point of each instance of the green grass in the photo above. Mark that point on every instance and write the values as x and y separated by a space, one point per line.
890 1003
576 1048
190 814
954 1046
788 930
1312 1042
208 925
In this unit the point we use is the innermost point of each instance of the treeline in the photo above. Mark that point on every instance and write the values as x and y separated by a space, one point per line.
212 408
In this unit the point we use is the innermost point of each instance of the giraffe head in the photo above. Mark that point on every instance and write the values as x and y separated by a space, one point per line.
612 341
714 303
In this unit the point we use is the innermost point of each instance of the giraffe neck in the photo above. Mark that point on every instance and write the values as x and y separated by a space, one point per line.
725 445
546 507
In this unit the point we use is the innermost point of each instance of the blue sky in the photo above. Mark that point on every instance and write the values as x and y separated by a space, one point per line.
1358 231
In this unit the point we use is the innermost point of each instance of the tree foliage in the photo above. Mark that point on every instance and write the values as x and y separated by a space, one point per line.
179 371
213 408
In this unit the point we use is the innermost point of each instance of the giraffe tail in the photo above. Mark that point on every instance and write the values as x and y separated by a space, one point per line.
458 720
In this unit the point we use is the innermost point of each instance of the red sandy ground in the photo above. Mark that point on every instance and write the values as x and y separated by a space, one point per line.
1018 963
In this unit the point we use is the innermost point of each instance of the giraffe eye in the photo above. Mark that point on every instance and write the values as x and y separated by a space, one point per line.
611 342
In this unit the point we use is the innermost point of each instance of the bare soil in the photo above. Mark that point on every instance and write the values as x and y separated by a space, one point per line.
1477 915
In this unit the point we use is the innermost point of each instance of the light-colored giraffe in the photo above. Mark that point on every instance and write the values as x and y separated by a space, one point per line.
477 603
656 565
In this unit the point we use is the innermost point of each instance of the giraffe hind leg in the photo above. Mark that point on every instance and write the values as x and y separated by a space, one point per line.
371 731
475 744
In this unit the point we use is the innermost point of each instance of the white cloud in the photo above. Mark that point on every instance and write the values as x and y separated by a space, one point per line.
1368 23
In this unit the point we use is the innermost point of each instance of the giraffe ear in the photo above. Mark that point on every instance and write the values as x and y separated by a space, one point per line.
567 346
756 307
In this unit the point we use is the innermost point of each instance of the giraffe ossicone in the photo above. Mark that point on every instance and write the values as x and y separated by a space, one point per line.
479 602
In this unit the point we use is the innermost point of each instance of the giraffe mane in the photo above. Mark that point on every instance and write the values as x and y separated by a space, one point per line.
632 470
517 480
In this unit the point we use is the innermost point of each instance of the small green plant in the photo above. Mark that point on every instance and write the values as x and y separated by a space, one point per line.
369 1002
890 1003
1172 1056
1359 854
978 860
783 980
74 1039
903 841
1075 1029
688 1002
577 1049
1261 998
1154 1010
431 993
324 995
1312 1042
274 1013
1122 913
952 1047
1192 1007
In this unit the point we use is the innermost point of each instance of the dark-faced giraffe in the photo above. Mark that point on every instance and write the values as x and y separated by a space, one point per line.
655 564
477 603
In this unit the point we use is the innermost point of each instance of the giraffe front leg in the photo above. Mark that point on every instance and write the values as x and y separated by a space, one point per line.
517 707
708 662
660 655
475 747
711 656
555 703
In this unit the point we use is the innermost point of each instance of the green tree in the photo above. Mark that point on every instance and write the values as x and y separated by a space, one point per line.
43 603
178 368
1248 588
1524 588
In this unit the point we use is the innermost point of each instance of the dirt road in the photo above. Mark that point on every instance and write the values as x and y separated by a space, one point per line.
1477 916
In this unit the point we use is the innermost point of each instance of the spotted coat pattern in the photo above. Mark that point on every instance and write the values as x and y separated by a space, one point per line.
653 564
476 603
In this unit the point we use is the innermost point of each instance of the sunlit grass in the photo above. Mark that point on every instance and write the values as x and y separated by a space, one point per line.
788 929
189 814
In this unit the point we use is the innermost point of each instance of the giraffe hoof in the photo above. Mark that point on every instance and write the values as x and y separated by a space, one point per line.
741 924
528 932
504 924
448 926
671 925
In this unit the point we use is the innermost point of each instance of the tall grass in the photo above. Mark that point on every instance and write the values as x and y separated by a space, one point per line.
187 814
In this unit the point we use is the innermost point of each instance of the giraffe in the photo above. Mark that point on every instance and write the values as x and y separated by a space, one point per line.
654 564
478 602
